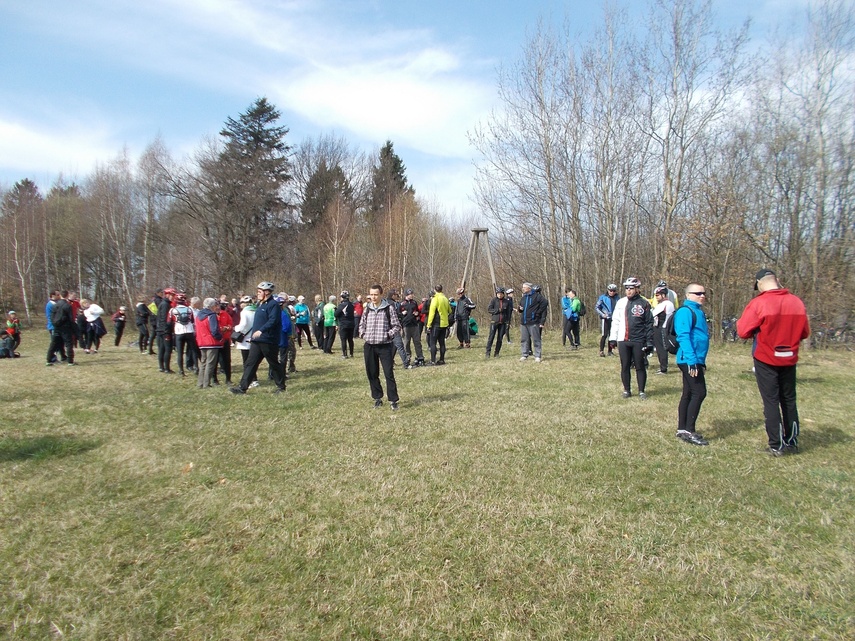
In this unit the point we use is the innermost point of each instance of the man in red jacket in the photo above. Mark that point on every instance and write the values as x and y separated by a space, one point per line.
777 321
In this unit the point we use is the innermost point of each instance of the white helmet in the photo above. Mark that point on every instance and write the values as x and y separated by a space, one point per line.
632 281
266 285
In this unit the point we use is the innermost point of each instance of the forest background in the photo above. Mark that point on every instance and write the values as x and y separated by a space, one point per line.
671 151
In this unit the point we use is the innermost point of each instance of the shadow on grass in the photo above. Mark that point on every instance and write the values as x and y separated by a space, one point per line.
814 438
725 427
40 448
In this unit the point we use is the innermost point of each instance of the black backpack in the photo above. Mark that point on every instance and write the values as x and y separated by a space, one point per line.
582 309
671 342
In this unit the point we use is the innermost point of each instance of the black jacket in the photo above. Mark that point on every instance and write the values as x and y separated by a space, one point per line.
344 315
411 317
500 310
61 316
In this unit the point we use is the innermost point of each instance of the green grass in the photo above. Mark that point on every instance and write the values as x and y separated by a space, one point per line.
504 500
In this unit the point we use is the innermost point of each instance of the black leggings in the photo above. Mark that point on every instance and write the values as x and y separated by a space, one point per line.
694 393
630 354
143 338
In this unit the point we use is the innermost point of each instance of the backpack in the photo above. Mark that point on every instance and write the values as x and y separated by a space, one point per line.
582 309
183 314
671 342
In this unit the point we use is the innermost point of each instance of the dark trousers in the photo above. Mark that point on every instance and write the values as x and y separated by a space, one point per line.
257 353
119 328
345 337
303 328
244 355
224 361
777 387
571 331
661 350
143 337
463 336
318 329
188 351
329 338
413 338
152 335
61 339
52 358
694 393
607 328
164 352
438 341
497 331
375 356
630 354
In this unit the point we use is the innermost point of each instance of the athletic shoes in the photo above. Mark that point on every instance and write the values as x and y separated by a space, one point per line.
642 396
537 359
523 358
773 452
237 390
691 437
791 449
627 393
378 403
394 406
602 354
660 373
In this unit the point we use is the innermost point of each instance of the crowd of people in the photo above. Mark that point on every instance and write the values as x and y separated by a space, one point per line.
267 327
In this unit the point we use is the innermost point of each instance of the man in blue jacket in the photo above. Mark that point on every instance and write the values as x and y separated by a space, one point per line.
690 326
265 334
605 308
532 309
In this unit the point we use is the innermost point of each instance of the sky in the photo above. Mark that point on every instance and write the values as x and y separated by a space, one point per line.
82 81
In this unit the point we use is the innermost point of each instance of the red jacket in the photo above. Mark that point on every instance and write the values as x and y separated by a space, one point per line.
226 322
208 334
778 322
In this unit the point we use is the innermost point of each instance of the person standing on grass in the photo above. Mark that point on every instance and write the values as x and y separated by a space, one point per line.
378 327
304 318
778 322
266 331
661 313
225 320
209 340
54 296
119 319
141 315
184 330
412 329
462 312
437 322
329 325
500 310
570 306
605 309
164 331
532 308
244 329
345 319
62 317
693 335
632 333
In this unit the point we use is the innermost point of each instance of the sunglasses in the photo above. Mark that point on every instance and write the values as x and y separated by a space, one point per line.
697 293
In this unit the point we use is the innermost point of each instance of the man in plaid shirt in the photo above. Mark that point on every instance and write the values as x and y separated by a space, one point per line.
378 327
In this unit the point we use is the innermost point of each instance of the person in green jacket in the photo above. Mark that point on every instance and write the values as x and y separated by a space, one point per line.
570 305
329 325
437 322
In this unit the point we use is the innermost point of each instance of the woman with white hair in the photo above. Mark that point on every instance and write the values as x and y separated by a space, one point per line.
303 320
209 340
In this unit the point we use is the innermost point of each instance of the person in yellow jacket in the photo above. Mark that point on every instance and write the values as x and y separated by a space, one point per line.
437 322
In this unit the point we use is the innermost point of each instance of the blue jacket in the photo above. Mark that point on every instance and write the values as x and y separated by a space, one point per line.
48 312
533 308
606 305
268 321
285 335
694 341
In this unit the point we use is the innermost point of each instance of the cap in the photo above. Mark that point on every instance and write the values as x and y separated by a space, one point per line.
12 311
301 298
762 274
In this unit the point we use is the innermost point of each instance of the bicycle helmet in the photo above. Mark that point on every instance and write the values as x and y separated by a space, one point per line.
612 287
266 285
632 281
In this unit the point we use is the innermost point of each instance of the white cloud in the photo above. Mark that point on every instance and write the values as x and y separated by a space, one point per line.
71 149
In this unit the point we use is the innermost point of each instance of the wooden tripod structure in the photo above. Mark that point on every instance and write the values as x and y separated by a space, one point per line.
470 257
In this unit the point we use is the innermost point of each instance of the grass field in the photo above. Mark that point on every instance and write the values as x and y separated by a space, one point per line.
504 500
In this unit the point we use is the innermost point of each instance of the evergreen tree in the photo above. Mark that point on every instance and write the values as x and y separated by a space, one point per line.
389 183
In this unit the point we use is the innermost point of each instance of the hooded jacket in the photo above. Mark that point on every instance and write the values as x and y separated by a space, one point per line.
778 322
208 335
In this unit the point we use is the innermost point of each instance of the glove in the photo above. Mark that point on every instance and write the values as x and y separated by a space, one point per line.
647 349
612 344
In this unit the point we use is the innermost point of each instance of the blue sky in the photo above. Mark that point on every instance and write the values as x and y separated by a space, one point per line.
81 80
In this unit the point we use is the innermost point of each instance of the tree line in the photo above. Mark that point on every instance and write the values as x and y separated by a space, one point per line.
673 151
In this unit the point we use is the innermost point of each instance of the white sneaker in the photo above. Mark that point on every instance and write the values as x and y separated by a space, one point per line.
524 358
537 359
254 384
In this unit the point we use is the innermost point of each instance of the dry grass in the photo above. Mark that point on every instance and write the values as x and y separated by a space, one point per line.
505 500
